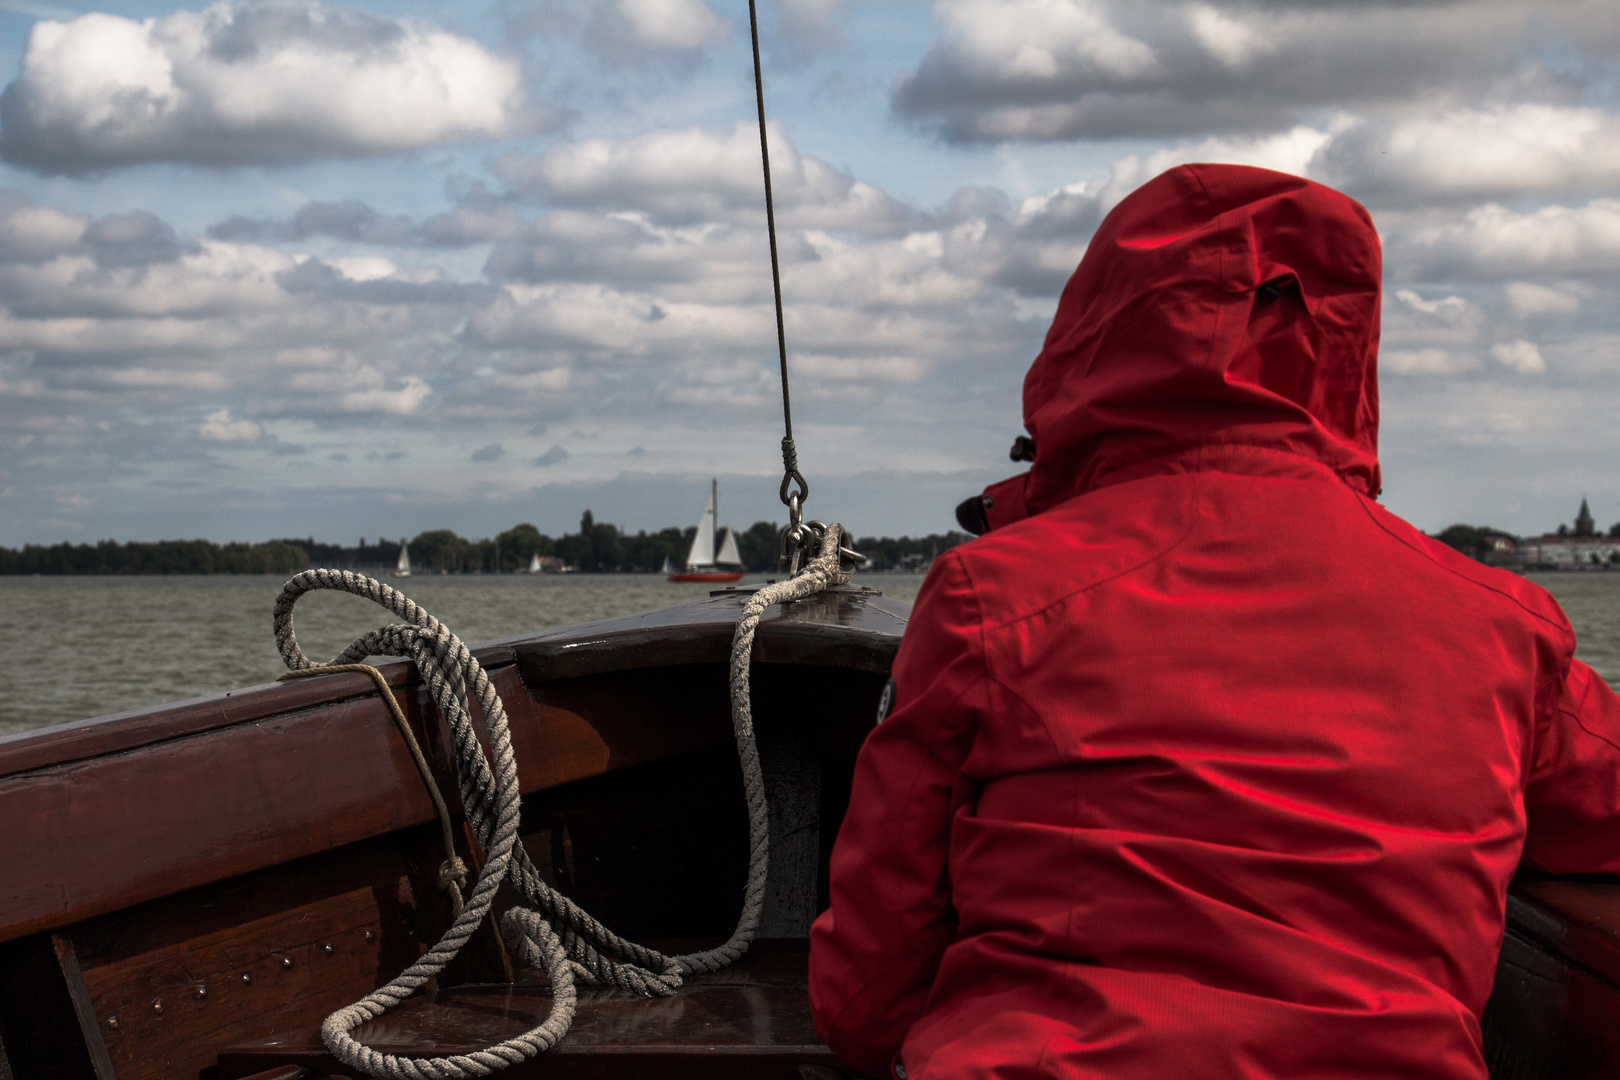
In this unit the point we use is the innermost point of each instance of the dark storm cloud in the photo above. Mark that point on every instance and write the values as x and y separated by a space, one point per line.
347 219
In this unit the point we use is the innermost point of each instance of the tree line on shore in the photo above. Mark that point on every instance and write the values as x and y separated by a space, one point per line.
597 547
1478 541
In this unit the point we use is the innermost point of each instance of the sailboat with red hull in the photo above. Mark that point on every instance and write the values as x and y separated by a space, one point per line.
713 555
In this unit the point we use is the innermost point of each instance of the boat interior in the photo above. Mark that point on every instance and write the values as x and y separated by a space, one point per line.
189 890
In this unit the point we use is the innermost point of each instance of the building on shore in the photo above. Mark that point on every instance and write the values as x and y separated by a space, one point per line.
1580 548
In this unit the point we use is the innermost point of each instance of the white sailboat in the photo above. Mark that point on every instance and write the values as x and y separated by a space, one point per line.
703 561
729 555
403 567
534 563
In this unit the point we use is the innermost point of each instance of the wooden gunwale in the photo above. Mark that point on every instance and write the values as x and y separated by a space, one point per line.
696 632
145 804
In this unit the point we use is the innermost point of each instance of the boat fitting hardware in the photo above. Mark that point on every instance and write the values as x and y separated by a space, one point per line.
803 538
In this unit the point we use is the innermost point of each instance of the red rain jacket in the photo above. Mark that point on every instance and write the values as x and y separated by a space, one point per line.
1211 767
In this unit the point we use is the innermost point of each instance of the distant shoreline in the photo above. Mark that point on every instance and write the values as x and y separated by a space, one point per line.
597 548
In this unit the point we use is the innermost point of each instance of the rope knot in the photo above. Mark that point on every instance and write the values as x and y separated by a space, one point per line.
453 879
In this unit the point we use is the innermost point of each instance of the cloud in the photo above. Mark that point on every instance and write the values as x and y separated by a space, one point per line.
1493 241
657 25
267 82
1521 356
346 219
1426 362
219 427
29 232
402 401
1103 69
806 27
1522 149
1528 298
685 175
616 301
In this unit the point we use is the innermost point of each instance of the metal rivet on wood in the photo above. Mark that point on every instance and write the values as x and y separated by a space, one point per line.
286 963
157 1007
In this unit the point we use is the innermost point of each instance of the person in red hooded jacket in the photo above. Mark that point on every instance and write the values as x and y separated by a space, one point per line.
1201 763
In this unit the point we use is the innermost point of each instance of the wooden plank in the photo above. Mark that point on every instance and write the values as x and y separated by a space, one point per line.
1549 1019
39 1025
751 1020
84 739
165 1013
165 803
189 953
283 1072
182 813
845 627
118 830
1574 917
83 1008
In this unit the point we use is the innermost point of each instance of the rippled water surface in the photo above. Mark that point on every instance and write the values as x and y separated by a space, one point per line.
1592 602
76 647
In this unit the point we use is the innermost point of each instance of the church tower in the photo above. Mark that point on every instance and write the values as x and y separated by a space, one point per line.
1584 525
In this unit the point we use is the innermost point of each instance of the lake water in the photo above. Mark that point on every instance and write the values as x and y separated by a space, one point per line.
76 647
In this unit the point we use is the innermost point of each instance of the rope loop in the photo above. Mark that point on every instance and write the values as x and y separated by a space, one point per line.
555 934
794 476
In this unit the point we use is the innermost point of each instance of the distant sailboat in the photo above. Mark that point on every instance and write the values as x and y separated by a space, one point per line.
702 563
669 567
403 567
534 563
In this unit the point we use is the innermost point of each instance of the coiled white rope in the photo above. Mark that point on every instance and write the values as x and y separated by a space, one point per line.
556 934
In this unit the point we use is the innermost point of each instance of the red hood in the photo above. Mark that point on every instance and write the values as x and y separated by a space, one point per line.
1165 341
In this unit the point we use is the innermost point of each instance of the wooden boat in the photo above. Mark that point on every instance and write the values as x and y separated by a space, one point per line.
189 890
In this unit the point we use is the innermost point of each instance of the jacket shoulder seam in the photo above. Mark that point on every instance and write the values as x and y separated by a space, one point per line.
1403 541
1566 635
1194 519
1581 723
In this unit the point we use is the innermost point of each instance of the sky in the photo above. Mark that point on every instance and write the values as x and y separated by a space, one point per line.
289 268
